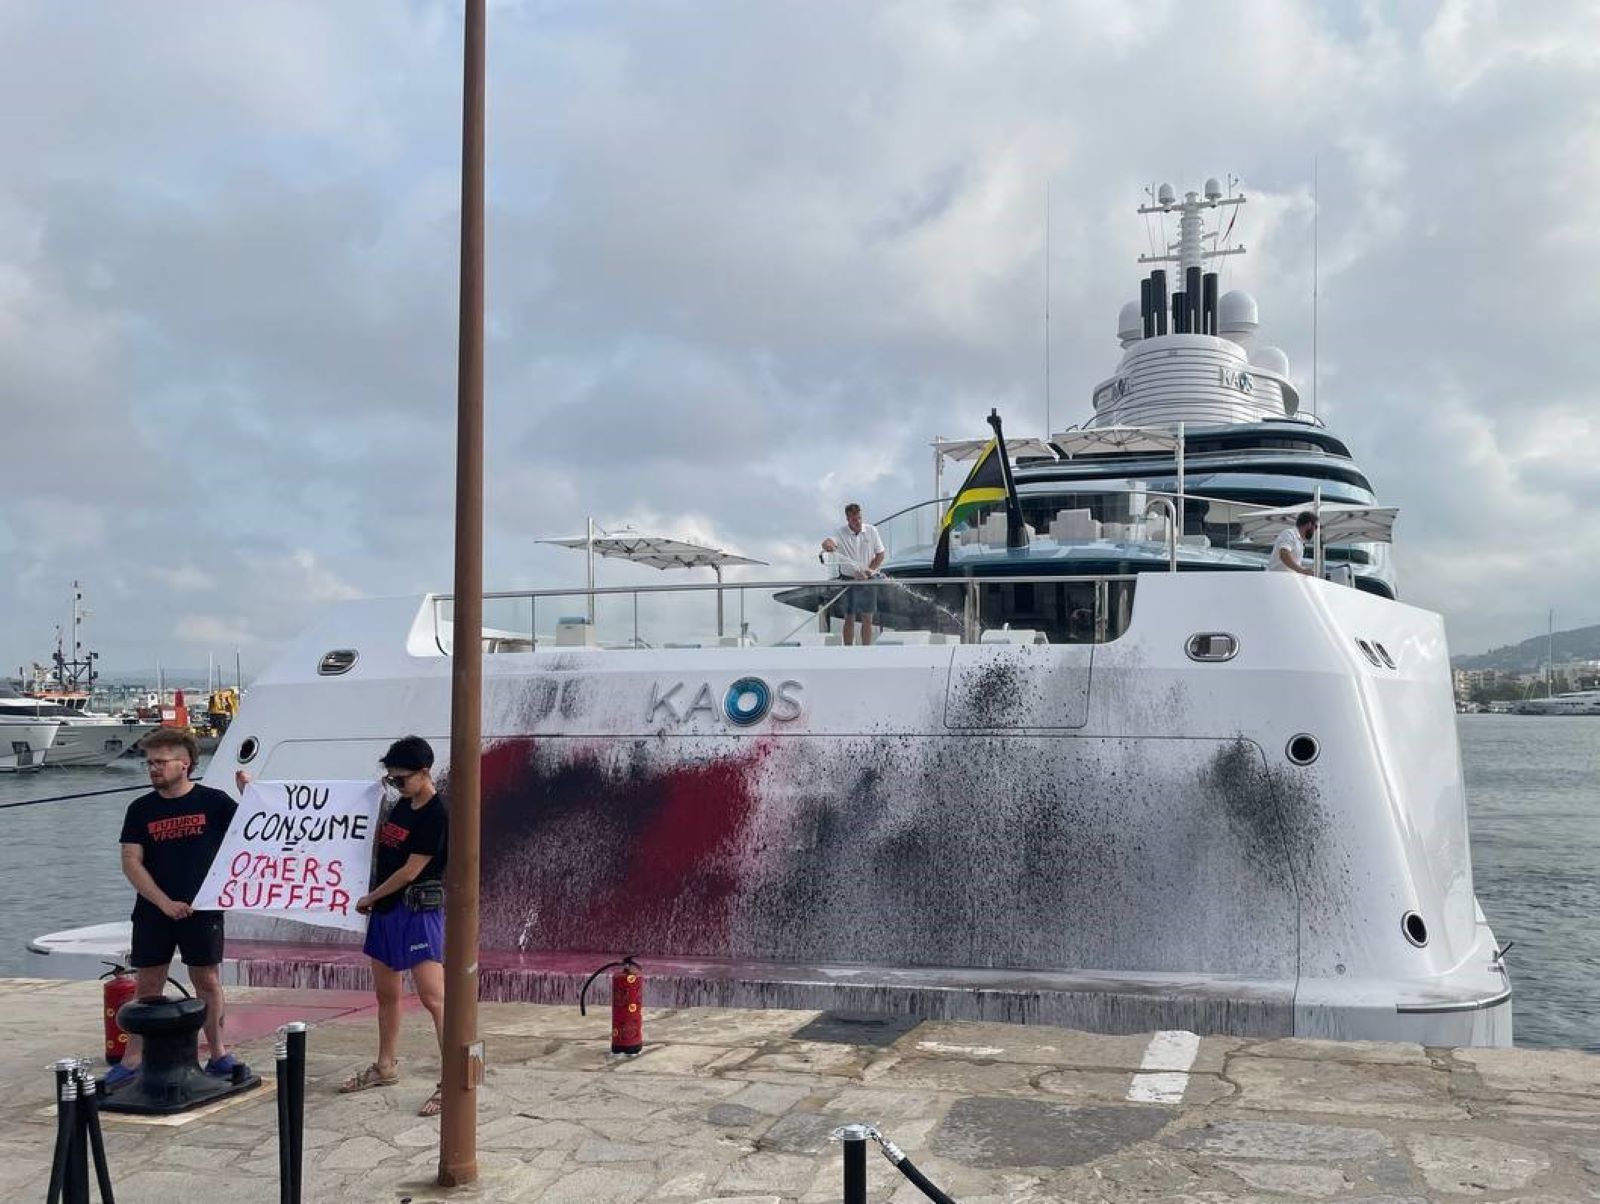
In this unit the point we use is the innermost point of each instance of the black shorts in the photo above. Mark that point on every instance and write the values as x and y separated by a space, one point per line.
198 938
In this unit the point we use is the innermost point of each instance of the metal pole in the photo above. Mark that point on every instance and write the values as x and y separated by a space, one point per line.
75 1183
458 1122
1180 477
854 1138
717 569
89 1114
1316 508
588 547
284 1174
295 1106
66 1127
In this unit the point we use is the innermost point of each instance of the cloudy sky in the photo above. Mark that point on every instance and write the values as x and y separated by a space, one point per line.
746 259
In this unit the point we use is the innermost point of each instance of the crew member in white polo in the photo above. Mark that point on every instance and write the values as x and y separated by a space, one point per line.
860 550
1288 550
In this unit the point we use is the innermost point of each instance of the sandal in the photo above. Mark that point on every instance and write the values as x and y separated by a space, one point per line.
372 1076
434 1104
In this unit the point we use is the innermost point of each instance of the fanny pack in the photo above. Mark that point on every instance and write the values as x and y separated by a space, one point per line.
425 896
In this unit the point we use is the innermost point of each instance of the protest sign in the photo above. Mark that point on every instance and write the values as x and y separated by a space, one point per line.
297 850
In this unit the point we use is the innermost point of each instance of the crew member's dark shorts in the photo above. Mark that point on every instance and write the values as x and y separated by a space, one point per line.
860 600
198 938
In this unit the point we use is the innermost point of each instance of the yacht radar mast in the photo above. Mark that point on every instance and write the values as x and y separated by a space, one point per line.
1190 251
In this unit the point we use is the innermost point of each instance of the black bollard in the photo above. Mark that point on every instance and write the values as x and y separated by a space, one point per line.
295 1035
285 1177
855 1162
89 1115
170 1079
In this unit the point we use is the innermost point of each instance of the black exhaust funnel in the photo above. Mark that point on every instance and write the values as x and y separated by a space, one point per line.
1158 299
1146 318
1191 292
1208 303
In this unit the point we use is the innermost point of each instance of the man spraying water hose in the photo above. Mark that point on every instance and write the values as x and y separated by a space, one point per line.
859 553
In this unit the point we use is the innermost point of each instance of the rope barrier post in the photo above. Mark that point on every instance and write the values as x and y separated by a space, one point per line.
75 1182
295 1037
66 1123
854 1138
89 1112
282 1092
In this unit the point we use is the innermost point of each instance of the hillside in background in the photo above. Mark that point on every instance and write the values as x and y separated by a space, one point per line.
1579 644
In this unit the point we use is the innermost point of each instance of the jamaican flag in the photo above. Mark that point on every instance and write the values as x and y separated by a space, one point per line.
987 483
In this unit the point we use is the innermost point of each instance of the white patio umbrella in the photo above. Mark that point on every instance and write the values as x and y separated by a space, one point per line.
962 450
1340 522
1107 440
657 551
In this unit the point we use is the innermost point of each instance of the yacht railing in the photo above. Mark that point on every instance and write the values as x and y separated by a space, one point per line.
1019 609
1118 511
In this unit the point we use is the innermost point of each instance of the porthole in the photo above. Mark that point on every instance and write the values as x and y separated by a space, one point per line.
1383 652
1415 929
1212 646
1303 749
248 748
1366 651
340 660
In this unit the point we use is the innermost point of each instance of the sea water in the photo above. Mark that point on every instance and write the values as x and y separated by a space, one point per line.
1533 795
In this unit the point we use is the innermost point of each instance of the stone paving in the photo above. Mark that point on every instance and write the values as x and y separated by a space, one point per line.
737 1106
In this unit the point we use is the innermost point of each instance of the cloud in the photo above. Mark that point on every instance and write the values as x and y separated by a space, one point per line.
745 262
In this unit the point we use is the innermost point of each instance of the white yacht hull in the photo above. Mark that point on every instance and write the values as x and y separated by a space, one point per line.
85 743
1115 832
25 742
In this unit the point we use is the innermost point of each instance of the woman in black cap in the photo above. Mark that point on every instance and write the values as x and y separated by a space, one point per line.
405 908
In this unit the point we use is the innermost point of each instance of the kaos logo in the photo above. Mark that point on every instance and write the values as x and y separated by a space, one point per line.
744 703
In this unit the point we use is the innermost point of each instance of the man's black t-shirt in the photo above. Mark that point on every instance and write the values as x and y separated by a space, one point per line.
180 837
407 830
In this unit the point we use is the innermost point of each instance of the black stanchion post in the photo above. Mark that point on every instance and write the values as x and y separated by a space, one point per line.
284 1174
75 1183
66 1123
295 1031
854 1138
89 1111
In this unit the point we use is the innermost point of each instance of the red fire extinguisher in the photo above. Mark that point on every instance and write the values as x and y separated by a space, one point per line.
120 987
627 1005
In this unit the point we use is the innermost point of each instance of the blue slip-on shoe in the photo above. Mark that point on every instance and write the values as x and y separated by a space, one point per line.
119 1076
222 1067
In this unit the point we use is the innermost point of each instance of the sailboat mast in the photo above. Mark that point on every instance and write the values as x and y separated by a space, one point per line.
1550 655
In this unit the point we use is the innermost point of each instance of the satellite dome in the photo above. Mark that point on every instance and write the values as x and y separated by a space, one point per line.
1213 189
1272 359
1236 314
1130 323
1164 195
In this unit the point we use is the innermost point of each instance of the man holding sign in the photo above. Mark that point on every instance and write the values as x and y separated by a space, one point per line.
169 838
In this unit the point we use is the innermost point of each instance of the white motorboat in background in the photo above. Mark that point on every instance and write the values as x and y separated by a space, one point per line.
1575 702
24 742
61 691
83 737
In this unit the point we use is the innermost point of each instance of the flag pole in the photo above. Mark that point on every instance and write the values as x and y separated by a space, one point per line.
462 1052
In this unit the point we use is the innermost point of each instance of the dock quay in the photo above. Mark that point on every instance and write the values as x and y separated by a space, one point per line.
738 1105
